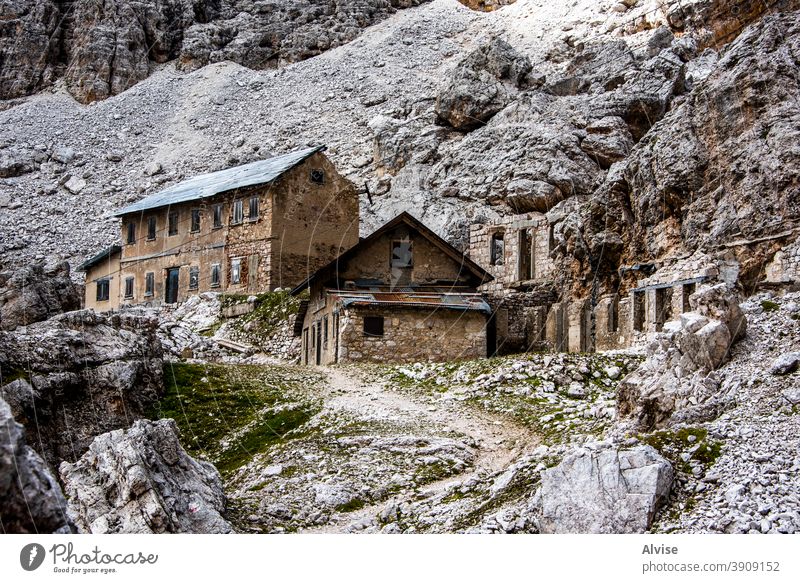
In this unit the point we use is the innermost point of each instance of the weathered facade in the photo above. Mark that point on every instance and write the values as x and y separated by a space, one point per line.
244 230
402 294
102 279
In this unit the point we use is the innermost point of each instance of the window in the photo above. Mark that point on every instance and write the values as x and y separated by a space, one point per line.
317 176
215 274
173 223
373 325
237 212
131 233
151 228
128 287
217 216
401 254
195 220
526 258
149 283
253 208
103 286
638 310
236 271
325 330
498 249
194 277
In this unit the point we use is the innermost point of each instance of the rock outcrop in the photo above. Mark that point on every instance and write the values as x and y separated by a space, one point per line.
35 292
141 480
675 382
80 374
31 501
604 489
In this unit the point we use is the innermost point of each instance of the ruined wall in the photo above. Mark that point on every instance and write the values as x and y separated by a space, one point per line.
108 268
785 265
526 251
312 222
412 335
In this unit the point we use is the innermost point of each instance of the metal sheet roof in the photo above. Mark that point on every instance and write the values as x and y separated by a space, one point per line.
426 300
104 254
207 185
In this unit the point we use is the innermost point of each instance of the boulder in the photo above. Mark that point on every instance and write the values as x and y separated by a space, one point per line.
605 489
141 480
31 501
36 292
785 363
80 374
481 85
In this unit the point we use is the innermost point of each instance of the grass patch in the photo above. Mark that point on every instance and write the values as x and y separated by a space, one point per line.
769 306
672 443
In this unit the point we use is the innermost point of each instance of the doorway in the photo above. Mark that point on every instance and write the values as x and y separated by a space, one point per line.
171 296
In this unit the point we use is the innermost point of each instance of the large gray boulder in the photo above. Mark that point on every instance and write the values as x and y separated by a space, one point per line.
80 374
675 382
606 489
141 480
35 292
31 500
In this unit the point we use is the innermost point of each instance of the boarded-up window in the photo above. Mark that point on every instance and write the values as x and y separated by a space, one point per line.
195 220
373 325
128 287
217 216
172 219
236 271
103 286
401 254
151 228
149 283
131 233
194 277
237 212
498 249
216 274
253 210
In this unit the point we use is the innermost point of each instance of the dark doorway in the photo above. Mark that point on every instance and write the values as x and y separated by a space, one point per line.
491 336
319 343
172 285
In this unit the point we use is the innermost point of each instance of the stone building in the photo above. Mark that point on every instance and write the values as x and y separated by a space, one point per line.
248 229
402 294
102 279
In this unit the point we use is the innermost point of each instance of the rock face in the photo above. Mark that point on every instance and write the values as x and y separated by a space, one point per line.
36 292
140 480
31 500
485 82
676 383
604 490
78 375
103 48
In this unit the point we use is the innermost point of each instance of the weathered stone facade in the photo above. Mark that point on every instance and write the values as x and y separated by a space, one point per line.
402 294
785 266
249 239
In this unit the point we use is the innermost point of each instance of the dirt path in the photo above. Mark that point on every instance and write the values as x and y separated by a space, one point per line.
498 441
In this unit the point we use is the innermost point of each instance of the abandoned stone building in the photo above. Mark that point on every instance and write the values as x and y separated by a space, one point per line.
529 315
248 229
402 294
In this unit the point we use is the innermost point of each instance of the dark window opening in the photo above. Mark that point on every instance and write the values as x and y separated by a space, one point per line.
638 311
149 283
173 223
194 277
551 239
128 287
236 271
131 233
663 307
318 176
401 254
253 210
526 271
373 325
237 212
325 330
151 228
688 290
103 286
498 249
217 216
613 315
215 275
195 220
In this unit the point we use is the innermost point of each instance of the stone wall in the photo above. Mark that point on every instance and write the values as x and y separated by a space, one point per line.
412 335
525 257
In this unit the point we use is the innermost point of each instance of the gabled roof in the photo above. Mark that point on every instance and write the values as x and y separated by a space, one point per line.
207 185
417 225
102 256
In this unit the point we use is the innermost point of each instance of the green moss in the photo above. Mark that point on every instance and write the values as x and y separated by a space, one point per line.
672 443
770 306
351 506
14 374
